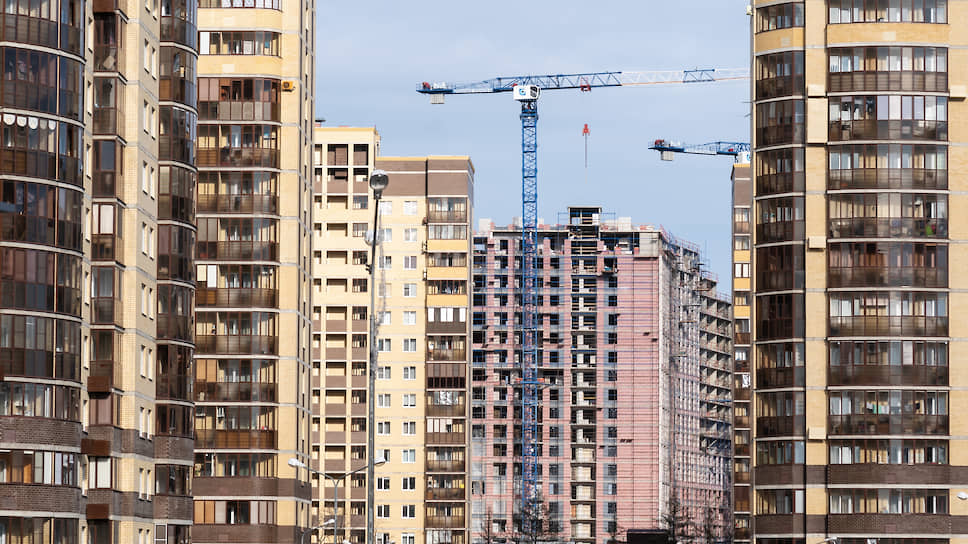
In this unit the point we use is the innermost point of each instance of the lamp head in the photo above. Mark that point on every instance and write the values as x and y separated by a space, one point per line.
963 496
378 182
296 463
379 460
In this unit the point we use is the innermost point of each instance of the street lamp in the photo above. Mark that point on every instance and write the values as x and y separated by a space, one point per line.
296 463
302 537
378 182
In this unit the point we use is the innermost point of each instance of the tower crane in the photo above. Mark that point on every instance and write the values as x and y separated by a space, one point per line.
666 149
526 90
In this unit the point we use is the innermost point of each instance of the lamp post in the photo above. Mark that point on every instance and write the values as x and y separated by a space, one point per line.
378 182
302 537
296 463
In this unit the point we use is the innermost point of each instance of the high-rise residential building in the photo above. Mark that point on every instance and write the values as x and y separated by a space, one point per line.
252 319
742 238
96 280
852 336
635 355
422 304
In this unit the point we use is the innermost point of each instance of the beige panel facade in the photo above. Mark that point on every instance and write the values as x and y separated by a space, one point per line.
857 135
422 302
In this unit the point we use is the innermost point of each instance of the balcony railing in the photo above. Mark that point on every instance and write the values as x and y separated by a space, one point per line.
888 424
445 466
780 426
235 391
106 311
887 178
887 277
236 298
240 345
238 203
780 377
887 375
234 157
256 251
898 227
840 131
441 494
931 82
889 326
210 438
444 522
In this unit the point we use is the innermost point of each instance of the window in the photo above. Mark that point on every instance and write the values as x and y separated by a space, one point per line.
779 16
383 511
409 483
385 318
741 270
410 373
359 231
239 43
359 202
386 235
146 117
383 428
407 538
410 262
409 207
410 235
408 456
383 484
741 243
383 289
888 11
410 400
410 345
383 400
383 344
409 318
386 207
409 428
408 511
410 290
383 373
384 262
147 59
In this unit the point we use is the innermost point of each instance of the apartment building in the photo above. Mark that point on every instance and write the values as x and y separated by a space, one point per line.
252 319
635 352
95 297
857 154
742 244
422 302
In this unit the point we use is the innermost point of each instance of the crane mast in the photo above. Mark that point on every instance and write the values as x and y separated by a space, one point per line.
526 90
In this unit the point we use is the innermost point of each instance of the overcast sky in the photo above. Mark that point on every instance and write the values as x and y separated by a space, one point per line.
370 56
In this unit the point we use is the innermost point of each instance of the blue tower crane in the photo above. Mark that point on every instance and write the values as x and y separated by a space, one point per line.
666 148
526 90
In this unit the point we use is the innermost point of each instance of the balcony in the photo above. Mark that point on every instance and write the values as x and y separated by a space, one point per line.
887 178
445 466
106 184
236 298
780 426
102 247
893 227
106 311
175 327
444 522
235 391
237 250
844 82
767 378
238 157
884 424
238 345
441 216
887 375
234 439
452 410
238 204
456 439
889 326
440 354
442 494
907 129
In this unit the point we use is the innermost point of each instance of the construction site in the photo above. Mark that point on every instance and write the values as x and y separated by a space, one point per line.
634 375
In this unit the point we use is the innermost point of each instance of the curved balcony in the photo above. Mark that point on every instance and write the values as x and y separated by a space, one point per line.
175 327
887 424
236 345
780 231
768 378
780 426
788 182
776 87
238 204
896 227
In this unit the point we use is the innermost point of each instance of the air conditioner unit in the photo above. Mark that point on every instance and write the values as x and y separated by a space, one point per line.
288 85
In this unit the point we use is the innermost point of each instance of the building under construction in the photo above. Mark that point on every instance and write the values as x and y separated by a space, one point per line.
635 361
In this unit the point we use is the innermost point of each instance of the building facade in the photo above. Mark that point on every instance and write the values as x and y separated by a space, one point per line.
742 247
635 355
252 320
857 187
96 439
422 302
